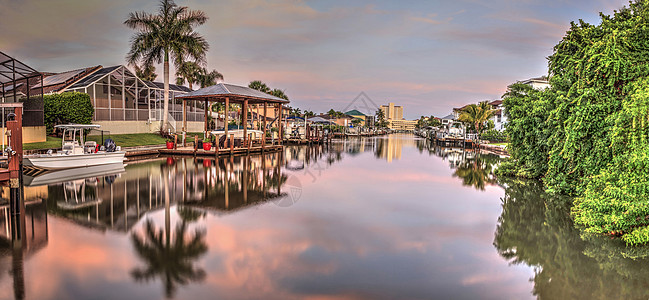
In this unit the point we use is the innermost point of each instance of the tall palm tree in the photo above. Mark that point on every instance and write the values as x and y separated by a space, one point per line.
145 72
189 72
477 115
168 34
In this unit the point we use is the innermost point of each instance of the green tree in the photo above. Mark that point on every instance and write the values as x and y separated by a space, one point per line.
476 115
209 78
146 72
260 86
189 72
167 35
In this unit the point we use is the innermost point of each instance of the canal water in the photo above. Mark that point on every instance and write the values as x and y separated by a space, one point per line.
390 217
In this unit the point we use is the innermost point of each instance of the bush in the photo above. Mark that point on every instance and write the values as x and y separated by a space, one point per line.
494 136
69 107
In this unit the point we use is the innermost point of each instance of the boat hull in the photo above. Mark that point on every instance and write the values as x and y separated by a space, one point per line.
69 161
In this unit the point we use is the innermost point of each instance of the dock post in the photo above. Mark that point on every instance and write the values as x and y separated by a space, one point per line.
216 149
175 141
15 157
231 144
249 141
195 145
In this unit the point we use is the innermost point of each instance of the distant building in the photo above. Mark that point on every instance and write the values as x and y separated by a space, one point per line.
539 83
392 112
394 116
366 120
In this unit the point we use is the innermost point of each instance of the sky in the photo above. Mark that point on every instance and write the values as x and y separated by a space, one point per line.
427 56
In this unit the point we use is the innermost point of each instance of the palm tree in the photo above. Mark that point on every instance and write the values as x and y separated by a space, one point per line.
147 72
477 115
189 72
308 114
279 94
170 33
208 79
260 86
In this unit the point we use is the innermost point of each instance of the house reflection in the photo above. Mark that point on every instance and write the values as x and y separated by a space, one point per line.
474 168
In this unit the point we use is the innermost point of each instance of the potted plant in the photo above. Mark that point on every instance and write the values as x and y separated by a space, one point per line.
207 144
170 143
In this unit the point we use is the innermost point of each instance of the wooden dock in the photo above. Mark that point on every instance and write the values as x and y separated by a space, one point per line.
190 151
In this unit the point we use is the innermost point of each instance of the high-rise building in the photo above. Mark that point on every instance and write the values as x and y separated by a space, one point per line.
394 116
392 112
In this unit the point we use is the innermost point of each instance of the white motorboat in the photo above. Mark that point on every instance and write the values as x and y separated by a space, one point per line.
74 152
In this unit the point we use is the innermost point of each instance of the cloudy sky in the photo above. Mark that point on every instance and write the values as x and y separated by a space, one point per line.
428 56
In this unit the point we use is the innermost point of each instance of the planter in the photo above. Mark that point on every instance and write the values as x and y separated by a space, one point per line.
170 145
207 146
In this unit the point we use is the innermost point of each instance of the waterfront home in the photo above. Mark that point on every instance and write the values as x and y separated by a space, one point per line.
123 102
16 84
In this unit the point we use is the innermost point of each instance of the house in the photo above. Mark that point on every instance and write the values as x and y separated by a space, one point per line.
123 102
366 120
539 83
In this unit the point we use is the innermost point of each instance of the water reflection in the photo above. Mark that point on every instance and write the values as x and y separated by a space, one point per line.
535 229
474 167
419 227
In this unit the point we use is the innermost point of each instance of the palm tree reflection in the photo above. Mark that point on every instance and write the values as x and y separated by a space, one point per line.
170 260
477 171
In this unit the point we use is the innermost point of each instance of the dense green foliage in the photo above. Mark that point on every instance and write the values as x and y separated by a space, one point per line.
494 136
586 135
69 107
428 121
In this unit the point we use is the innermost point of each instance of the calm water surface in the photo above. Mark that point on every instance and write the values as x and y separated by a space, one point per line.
378 218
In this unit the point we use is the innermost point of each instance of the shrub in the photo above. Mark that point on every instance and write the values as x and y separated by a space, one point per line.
494 136
64 108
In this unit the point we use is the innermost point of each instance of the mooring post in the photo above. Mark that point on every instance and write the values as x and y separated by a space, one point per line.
15 158
195 145
231 144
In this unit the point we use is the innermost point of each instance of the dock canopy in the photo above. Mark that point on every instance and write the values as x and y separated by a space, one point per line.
229 93
235 93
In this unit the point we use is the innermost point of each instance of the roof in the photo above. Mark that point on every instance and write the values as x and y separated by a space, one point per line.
449 117
92 78
59 78
319 120
11 69
234 92
542 79
161 86
355 113
496 102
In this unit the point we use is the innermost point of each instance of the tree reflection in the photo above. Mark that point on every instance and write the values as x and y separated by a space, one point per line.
171 261
535 229
477 171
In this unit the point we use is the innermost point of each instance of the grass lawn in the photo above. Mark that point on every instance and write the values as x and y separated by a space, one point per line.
123 140
131 140
50 143
500 144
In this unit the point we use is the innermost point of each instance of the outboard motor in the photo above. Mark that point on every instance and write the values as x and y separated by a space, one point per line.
110 146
